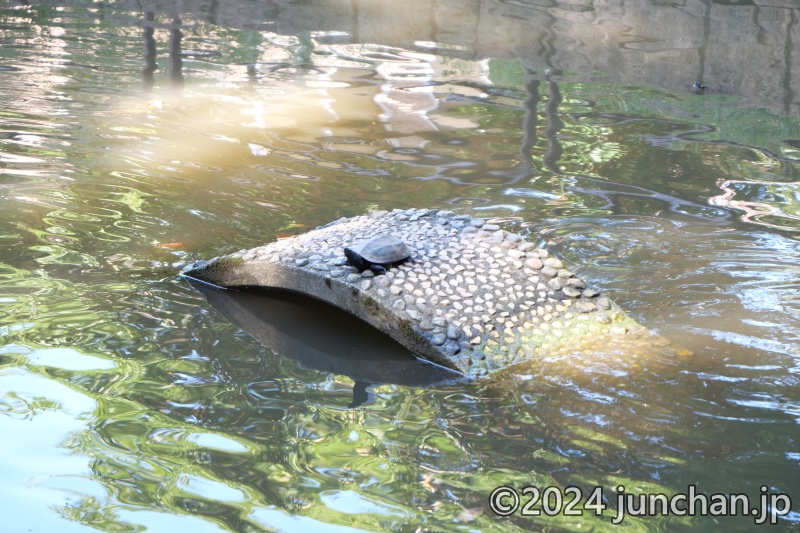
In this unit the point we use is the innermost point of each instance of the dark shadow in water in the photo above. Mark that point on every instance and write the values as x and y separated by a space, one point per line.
151 52
175 60
150 65
554 127
531 121
323 337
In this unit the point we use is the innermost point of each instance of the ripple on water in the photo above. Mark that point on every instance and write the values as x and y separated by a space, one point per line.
132 401
773 204
350 502
69 359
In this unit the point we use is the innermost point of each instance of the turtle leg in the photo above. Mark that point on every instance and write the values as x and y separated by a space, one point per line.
378 270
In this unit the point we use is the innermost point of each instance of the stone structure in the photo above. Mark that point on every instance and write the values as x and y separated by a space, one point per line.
476 299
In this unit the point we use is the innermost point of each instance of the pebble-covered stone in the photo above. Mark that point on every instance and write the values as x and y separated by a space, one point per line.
549 272
578 283
453 333
572 292
534 263
438 339
552 262
472 286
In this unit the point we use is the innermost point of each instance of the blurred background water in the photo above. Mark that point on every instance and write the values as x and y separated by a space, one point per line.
137 137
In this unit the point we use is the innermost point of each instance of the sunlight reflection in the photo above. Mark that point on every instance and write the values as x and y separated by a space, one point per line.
783 211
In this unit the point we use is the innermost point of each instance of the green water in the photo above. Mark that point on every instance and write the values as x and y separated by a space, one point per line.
129 403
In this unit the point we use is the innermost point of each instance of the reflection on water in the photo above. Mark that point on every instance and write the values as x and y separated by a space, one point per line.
138 138
310 332
774 204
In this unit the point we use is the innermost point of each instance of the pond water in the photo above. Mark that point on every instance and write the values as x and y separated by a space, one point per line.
137 137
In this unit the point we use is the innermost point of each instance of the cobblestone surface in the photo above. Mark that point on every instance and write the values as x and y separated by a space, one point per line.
476 297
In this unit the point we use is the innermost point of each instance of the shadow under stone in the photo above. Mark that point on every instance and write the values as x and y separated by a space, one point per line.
323 337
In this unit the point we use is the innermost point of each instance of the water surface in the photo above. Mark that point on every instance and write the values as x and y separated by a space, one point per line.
137 137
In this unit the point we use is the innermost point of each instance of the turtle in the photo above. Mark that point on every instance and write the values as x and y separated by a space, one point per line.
377 253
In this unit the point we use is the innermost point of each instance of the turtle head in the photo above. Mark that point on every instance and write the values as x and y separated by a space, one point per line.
354 259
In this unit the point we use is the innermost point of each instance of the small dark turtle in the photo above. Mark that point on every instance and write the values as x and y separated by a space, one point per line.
377 253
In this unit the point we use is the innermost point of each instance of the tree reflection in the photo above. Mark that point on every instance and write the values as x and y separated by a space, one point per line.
151 52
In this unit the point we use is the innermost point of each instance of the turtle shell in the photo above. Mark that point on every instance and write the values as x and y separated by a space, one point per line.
382 249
